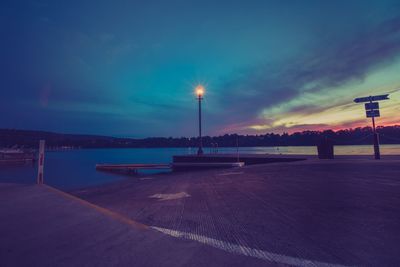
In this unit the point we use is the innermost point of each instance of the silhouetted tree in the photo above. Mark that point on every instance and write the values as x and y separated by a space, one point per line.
356 136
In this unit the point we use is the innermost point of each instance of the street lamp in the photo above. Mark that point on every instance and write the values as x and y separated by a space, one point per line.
200 93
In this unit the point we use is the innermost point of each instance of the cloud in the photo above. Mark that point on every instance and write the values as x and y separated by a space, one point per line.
332 64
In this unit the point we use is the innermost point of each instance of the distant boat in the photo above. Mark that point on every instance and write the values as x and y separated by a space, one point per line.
16 156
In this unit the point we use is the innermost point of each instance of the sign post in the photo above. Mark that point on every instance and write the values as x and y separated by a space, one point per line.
41 162
372 111
376 137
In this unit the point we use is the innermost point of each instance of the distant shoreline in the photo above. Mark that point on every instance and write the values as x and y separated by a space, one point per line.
357 136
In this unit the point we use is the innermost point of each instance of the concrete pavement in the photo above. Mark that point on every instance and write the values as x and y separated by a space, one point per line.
343 212
40 226
309 213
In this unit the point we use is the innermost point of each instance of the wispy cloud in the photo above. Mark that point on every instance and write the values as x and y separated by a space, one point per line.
272 89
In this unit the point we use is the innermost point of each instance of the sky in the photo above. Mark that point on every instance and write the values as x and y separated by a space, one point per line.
129 68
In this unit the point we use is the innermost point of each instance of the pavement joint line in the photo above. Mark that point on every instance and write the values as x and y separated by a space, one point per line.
246 251
102 210
219 244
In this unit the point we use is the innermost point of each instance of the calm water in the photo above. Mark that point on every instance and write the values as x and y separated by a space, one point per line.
76 168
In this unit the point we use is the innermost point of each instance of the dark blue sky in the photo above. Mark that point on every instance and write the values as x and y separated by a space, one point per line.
129 68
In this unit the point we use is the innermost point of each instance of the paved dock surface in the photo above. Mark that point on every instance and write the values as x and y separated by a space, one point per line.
308 213
316 212
42 227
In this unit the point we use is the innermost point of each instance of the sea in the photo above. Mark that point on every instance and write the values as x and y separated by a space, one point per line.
75 169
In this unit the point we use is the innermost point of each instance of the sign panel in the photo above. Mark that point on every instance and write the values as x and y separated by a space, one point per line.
371 98
373 105
373 113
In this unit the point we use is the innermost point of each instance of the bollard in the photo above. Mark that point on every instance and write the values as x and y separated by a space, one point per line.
41 162
325 149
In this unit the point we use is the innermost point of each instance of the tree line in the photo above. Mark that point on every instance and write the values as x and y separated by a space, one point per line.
356 136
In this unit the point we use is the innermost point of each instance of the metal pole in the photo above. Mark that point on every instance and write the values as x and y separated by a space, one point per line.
237 148
376 141
41 162
200 151
376 138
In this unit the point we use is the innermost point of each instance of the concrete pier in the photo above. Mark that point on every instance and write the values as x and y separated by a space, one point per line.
342 212
41 226
131 168
247 159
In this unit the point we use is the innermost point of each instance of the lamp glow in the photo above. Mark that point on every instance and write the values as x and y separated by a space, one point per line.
200 90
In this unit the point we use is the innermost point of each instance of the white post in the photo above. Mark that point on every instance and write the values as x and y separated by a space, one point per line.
41 162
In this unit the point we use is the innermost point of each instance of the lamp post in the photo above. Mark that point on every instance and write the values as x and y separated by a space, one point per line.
200 93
